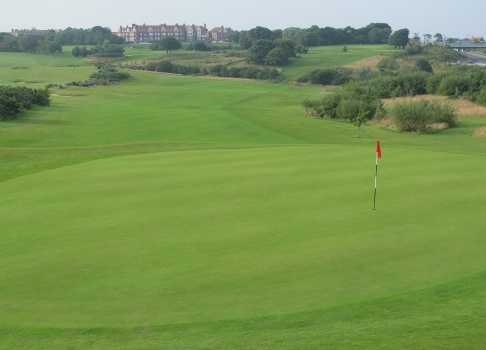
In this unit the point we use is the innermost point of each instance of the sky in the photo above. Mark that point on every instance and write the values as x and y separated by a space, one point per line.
451 17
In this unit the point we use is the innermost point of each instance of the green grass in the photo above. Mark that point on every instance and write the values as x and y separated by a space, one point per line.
174 212
39 70
185 57
332 56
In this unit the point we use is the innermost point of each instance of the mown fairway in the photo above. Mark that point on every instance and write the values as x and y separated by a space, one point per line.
40 70
175 212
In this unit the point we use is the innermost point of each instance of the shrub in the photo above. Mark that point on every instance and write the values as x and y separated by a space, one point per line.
420 116
14 100
388 64
247 72
442 54
108 50
481 97
200 46
330 76
413 49
108 74
346 105
423 65
454 85
83 51
433 83
324 108
404 84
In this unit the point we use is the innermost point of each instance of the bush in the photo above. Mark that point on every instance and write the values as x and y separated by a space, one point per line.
325 108
442 54
200 46
420 116
433 83
108 50
481 97
454 85
423 65
247 72
14 100
106 74
404 84
413 49
330 76
388 64
346 105
83 51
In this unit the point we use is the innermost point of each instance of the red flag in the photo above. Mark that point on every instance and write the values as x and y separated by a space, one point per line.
379 153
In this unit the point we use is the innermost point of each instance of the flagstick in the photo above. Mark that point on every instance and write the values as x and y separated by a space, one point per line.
376 184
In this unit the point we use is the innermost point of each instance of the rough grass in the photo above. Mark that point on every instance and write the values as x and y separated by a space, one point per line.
369 62
176 212
464 107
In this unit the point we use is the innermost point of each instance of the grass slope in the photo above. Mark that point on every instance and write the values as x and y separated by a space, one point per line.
332 56
235 223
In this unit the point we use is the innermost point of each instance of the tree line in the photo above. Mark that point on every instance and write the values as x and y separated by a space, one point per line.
51 41
374 33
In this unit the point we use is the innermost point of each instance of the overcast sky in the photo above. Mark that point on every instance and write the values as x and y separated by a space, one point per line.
451 17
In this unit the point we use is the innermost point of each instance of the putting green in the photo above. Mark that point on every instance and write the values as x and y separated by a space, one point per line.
203 236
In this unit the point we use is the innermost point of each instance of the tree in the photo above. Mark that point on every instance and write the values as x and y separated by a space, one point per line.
76 51
260 33
8 42
378 36
245 40
277 57
94 36
312 36
294 34
167 44
427 39
277 34
288 46
378 33
400 38
259 51
439 38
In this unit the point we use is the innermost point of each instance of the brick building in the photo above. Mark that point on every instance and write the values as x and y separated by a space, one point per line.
148 33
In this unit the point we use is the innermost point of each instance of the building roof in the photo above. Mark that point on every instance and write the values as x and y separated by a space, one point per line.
467 44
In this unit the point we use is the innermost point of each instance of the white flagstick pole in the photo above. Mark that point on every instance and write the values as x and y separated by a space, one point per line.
376 183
